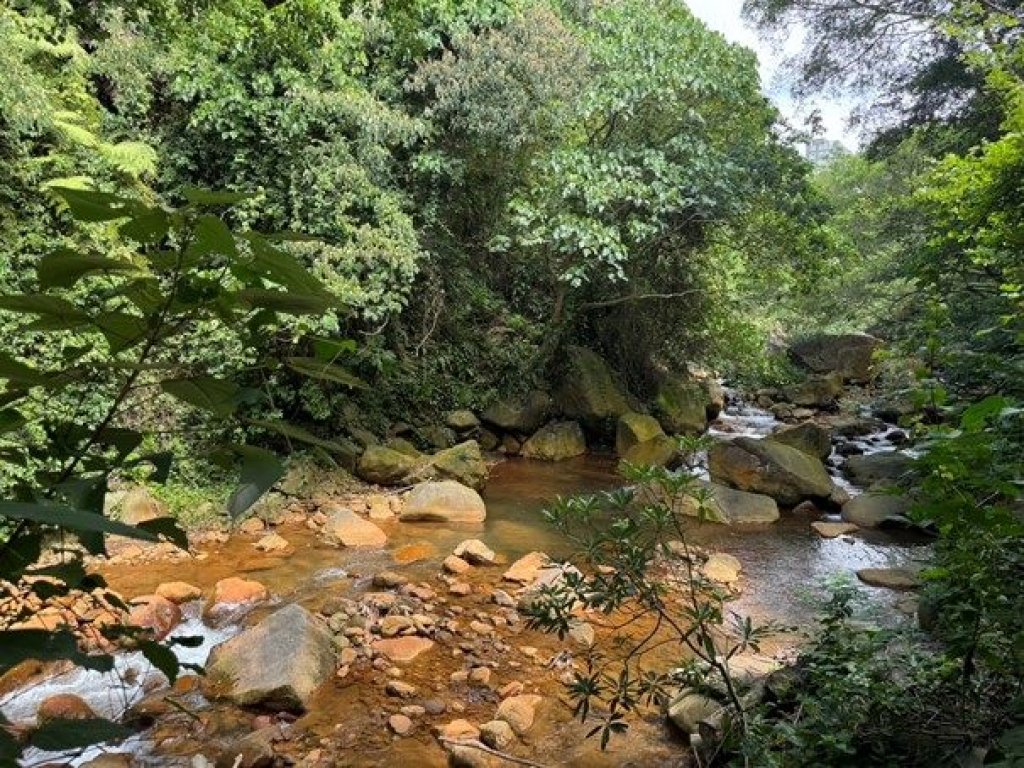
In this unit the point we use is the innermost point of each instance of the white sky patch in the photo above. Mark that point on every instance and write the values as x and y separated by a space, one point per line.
724 16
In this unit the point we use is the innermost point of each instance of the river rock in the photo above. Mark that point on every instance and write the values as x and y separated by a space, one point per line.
689 710
497 734
402 445
157 614
809 437
63 706
871 510
384 466
457 730
179 592
829 530
462 463
848 355
520 415
445 501
635 428
475 552
816 392
885 467
233 591
660 451
400 724
556 442
455 565
348 529
723 568
272 542
589 393
526 569
276 664
462 420
402 650
519 712
890 578
730 506
139 506
681 404
761 466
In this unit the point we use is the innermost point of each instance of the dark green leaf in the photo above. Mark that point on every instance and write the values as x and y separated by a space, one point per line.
90 205
287 302
10 420
59 735
147 226
52 308
14 370
203 197
258 471
212 237
166 527
121 330
300 434
64 267
18 645
144 293
310 366
161 657
282 268
217 396
66 517
330 350
161 462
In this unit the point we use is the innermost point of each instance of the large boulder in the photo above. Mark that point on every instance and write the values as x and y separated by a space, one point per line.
384 466
520 415
728 505
816 391
848 354
871 510
682 405
659 451
809 437
635 428
139 506
786 474
445 501
348 529
557 441
276 664
462 421
886 467
589 392
463 463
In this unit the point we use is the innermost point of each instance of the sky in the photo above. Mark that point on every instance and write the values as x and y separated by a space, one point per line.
724 16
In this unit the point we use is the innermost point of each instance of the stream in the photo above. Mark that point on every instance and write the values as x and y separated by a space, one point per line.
785 566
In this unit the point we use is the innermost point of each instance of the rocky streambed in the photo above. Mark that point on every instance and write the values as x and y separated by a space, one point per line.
345 636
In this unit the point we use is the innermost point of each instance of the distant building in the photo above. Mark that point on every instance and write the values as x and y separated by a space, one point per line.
821 151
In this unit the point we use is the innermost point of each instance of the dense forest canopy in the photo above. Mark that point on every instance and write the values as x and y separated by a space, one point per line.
235 230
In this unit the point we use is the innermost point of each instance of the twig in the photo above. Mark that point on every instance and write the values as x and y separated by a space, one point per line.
474 744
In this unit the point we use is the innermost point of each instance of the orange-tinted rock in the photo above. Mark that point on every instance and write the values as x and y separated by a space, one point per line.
235 591
155 613
179 592
63 706
402 649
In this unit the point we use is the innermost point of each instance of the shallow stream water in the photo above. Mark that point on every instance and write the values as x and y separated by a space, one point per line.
785 564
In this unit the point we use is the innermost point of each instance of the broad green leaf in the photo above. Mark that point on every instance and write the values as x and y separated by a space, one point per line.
258 471
20 645
63 516
53 308
11 420
287 302
161 657
161 463
300 434
330 350
203 197
168 528
90 205
124 440
212 236
60 735
147 227
218 396
976 416
63 268
282 268
121 329
310 366
16 371
144 293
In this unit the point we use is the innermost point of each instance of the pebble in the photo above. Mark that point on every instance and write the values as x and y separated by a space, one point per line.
400 724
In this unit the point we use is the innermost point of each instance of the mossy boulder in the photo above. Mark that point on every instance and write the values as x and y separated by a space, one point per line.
446 501
816 391
462 421
874 510
785 473
590 394
809 437
681 405
463 463
556 442
730 506
849 354
522 415
384 466
887 467
660 451
635 428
